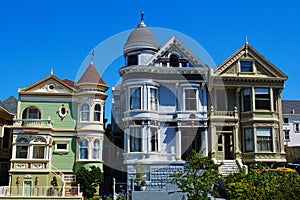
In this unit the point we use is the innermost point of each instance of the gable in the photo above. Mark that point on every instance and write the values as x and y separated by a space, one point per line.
261 67
175 47
49 85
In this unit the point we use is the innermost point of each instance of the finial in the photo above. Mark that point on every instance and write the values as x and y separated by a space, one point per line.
51 72
246 41
92 54
142 16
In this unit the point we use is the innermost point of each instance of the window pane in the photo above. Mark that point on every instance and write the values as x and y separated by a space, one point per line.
154 139
264 139
132 60
96 149
61 146
135 98
153 99
247 100
22 151
85 114
246 66
248 140
174 62
135 139
190 99
38 152
83 149
97 112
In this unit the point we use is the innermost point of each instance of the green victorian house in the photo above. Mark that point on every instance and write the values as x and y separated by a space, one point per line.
59 127
245 109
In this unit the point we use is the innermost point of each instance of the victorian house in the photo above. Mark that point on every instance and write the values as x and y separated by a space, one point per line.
58 128
245 109
291 129
7 111
160 107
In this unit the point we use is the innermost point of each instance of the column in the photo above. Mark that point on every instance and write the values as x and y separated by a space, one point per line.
281 136
204 145
178 144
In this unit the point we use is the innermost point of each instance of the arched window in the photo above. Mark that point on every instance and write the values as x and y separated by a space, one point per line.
39 148
85 112
83 149
174 61
97 112
31 113
22 145
96 149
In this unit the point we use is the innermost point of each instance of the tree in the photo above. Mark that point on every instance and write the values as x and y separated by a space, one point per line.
89 180
199 177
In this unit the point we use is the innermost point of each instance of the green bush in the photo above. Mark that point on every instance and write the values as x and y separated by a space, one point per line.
261 184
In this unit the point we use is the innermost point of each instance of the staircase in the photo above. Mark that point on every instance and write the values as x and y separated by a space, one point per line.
228 167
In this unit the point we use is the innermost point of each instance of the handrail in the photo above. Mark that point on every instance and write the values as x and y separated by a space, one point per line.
60 176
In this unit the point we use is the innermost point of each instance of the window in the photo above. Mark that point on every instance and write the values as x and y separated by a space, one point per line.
97 112
248 136
117 115
61 146
264 139
22 145
174 61
154 139
135 98
286 120
83 148
85 112
153 100
221 100
297 127
132 60
96 149
286 135
190 99
39 146
247 100
262 99
6 138
31 113
246 66
135 139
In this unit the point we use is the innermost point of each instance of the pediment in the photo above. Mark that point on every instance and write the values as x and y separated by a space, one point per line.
176 47
261 66
49 85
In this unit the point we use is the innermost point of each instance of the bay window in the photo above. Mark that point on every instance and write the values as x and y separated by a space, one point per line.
135 139
135 98
190 100
262 99
153 99
83 148
85 112
248 137
22 146
97 112
264 139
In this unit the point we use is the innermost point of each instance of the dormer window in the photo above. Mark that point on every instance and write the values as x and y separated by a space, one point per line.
174 61
246 66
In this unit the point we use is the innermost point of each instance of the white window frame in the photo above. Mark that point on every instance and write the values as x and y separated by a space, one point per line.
96 151
97 112
43 144
153 101
66 150
135 139
84 111
87 148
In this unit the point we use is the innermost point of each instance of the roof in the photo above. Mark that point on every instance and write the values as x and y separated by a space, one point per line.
290 106
140 38
10 105
69 82
91 75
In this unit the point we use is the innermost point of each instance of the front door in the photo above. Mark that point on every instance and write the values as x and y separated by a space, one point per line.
225 144
27 188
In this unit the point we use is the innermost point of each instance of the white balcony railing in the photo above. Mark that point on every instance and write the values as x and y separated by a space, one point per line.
39 191
33 122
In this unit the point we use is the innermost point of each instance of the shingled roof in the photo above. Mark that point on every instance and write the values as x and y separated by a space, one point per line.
290 106
91 75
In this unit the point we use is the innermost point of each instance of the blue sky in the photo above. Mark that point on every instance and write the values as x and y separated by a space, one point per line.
36 36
